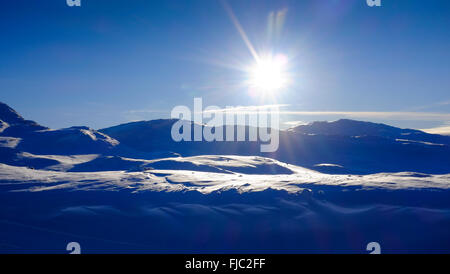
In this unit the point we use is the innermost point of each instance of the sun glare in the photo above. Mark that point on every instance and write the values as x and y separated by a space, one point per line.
269 74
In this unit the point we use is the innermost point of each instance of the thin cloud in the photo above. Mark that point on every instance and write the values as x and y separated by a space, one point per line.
392 115
246 109
424 116
295 123
444 103
438 104
438 130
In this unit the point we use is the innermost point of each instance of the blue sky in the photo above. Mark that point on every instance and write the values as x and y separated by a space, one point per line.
110 62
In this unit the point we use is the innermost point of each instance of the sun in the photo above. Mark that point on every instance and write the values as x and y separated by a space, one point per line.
269 74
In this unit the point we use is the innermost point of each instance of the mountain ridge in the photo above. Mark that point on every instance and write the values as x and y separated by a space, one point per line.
348 127
341 147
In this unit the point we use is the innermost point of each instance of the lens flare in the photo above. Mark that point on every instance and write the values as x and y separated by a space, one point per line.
269 74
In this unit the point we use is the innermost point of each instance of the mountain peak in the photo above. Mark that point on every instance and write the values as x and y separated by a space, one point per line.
14 124
9 115
348 127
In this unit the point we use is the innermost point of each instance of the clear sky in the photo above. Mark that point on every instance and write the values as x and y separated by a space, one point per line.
109 61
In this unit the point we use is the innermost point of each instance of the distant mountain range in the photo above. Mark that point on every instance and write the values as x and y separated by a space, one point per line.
344 146
132 189
346 127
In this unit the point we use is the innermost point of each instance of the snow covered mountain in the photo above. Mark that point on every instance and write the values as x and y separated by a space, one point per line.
34 138
131 189
14 125
343 147
346 127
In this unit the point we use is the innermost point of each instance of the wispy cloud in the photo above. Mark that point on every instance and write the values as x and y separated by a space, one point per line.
389 115
295 123
247 109
438 130
422 116
434 105
444 103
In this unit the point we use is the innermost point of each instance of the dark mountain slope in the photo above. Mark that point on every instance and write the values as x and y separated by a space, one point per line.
365 148
347 127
